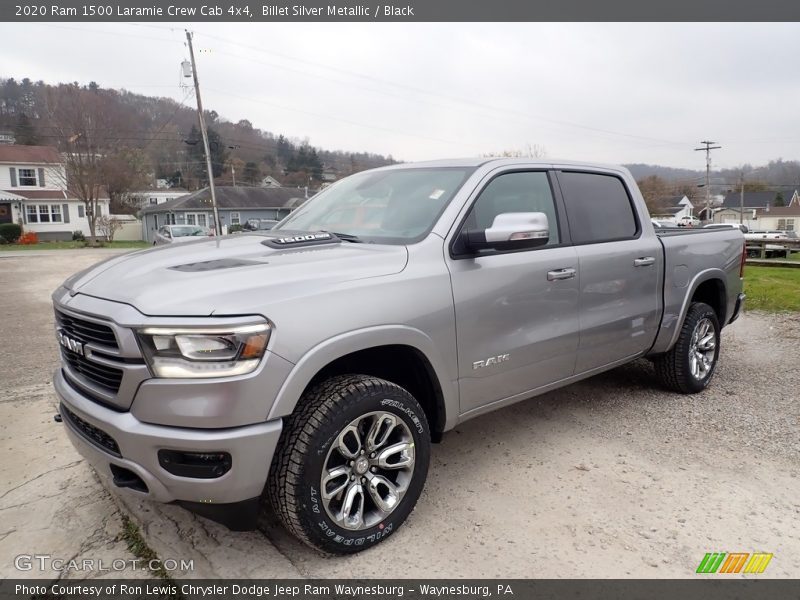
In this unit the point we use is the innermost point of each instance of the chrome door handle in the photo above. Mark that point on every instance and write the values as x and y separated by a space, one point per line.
644 261
559 274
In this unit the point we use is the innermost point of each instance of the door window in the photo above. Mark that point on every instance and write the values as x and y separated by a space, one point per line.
527 191
598 207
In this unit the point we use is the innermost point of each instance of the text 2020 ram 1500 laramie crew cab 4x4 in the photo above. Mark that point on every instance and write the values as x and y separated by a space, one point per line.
309 367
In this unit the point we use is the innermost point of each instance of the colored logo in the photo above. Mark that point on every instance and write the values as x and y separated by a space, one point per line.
734 562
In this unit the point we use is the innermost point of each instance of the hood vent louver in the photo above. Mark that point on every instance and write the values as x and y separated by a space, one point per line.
215 265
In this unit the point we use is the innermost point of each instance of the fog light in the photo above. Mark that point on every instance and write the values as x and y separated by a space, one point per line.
197 465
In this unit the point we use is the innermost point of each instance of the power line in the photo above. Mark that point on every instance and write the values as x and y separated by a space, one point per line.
427 92
709 146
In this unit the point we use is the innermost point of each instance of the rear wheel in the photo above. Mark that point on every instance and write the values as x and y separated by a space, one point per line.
689 366
351 463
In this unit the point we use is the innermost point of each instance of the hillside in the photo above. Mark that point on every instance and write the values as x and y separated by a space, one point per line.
160 135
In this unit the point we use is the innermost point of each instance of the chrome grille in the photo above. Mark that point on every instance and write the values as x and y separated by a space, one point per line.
101 375
86 331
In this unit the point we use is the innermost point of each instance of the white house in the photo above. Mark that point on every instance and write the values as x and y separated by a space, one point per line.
33 193
270 181
154 196
675 208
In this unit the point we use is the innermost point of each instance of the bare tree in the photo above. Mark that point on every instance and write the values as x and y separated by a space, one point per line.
108 227
654 189
124 171
88 125
529 151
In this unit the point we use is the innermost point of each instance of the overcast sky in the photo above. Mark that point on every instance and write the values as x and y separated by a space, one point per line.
606 92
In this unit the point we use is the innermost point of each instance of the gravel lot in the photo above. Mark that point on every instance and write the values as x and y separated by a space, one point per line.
611 477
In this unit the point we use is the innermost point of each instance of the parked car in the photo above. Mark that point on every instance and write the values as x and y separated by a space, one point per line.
170 234
663 224
741 227
259 224
308 371
688 221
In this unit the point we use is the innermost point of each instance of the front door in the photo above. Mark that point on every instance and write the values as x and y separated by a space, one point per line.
620 280
517 323
5 213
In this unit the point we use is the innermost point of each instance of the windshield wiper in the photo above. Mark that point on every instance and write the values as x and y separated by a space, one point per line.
346 237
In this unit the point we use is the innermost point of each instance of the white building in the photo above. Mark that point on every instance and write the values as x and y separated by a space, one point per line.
33 193
154 196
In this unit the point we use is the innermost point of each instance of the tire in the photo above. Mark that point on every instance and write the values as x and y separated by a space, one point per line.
334 419
676 369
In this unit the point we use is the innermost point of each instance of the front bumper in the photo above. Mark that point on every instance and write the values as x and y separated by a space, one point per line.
251 448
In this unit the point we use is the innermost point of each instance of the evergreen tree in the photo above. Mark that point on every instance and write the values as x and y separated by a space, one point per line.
25 132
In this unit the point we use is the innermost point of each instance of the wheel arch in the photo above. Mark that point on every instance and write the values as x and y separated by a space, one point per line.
401 354
707 286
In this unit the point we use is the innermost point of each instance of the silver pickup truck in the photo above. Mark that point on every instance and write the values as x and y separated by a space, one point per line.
309 368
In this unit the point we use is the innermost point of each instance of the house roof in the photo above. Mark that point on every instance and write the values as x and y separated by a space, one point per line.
779 211
40 194
10 196
673 201
751 199
14 153
158 190
229 197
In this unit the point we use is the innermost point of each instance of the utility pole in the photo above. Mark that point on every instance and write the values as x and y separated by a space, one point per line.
709 146
741 199
204 132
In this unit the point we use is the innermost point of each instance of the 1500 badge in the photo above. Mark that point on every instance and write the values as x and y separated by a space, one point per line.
491 361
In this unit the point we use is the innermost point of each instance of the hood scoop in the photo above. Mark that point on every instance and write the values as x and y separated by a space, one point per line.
215 265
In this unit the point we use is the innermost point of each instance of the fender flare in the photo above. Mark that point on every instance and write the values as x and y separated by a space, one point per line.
671 323
313 361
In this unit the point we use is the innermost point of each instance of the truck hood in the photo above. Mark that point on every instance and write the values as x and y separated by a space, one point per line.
230 275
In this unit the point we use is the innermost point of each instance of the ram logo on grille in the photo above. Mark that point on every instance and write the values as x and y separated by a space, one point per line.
69 343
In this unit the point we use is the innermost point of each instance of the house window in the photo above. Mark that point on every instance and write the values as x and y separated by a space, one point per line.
81 211
170 218
235 218
27 177
153 201
786 224
44 213
198 219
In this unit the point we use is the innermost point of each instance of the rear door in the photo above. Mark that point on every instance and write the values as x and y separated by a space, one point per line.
517 311
619 265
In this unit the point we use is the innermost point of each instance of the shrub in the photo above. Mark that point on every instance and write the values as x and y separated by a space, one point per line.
235 228
108 226
77 236
28 238
9 233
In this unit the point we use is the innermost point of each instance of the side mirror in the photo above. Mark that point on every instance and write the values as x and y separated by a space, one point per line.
511 231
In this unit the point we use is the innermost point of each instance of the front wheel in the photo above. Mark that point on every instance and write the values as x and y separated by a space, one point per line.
351 463
689 366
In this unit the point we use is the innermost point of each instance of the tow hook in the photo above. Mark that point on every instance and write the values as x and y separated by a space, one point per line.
57 418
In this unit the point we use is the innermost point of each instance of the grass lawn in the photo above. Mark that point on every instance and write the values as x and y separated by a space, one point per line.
69 245
772 288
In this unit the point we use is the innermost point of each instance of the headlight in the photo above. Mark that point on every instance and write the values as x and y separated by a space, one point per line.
204 352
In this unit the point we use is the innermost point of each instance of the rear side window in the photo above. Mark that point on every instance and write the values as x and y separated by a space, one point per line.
598 208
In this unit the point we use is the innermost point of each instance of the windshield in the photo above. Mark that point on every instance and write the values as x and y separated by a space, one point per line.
396 206
187 231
